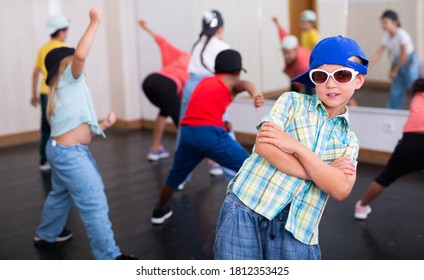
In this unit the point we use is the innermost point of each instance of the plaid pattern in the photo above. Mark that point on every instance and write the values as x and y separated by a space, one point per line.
266 190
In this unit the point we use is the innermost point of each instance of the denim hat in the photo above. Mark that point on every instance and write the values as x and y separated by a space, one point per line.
228 61
211 21
55 23
53 59
334 50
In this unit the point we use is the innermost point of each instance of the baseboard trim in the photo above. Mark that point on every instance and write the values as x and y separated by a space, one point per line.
365 155
374 157
377 85
19 138
121 125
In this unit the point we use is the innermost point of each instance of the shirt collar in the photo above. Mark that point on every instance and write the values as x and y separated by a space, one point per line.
317 103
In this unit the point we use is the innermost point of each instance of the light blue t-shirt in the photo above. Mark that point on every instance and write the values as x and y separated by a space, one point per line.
73 106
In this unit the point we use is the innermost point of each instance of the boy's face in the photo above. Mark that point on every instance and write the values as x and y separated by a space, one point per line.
290 55
388 24
334 95
305 25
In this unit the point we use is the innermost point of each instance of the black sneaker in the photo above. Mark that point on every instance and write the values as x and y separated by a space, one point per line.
64 236
160 216
125 257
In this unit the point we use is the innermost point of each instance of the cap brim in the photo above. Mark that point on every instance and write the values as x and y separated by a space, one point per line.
304 79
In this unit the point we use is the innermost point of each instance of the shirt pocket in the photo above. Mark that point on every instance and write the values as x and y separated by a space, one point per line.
303 129
337 146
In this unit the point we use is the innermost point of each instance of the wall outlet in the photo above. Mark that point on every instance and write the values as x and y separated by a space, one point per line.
389 126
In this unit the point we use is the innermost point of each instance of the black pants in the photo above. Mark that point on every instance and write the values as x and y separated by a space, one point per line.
45 128
162 92
408 157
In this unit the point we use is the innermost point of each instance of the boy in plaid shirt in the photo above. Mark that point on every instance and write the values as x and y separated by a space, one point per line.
304 153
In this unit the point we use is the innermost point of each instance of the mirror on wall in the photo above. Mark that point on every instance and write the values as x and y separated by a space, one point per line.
368 33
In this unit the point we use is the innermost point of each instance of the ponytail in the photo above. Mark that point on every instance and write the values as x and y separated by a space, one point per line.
208 38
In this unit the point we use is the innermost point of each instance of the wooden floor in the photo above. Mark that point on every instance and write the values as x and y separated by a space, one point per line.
395 230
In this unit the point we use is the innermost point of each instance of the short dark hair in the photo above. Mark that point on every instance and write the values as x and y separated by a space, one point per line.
418 86
57 32
392 15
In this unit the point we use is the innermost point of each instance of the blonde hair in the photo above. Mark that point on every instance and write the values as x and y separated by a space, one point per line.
356 60
53 85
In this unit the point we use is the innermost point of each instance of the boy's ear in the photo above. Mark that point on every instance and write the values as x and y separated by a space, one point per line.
360 79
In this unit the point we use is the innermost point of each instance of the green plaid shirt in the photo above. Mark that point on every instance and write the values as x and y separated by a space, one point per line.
266 190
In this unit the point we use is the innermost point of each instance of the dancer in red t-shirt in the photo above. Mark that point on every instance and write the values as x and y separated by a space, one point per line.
203 133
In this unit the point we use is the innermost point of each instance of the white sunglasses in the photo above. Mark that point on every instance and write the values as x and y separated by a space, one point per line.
341 76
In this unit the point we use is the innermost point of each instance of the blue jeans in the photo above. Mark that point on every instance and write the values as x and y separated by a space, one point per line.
242 234
199 142
189 87
403 81
76 179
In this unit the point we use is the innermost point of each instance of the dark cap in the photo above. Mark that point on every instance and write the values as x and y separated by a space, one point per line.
228 61
52 61
334 50
211 21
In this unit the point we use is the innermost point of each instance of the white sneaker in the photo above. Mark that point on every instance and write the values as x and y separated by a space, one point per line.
154 155
181 186
44 166
362 212
216 170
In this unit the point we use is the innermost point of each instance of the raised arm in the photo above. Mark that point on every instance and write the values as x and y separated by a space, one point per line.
281 31
85 43
143 24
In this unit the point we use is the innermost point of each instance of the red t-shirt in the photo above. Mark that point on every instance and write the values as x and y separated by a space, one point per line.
415 119
174 63
300 65
208 103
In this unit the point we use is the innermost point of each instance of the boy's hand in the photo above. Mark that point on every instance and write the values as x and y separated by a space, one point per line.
345 165
258 100
393 73
272 134
34 101
109 121
142 23
228 125
96 15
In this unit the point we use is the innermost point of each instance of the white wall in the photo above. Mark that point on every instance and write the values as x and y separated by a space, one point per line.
377 129
123 55
22 25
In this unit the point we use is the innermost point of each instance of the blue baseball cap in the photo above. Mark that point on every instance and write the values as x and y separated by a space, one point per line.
334 50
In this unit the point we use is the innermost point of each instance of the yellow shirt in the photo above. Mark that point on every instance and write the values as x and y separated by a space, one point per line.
42 53
308 39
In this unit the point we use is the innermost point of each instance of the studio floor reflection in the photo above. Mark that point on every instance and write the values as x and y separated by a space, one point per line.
395 229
